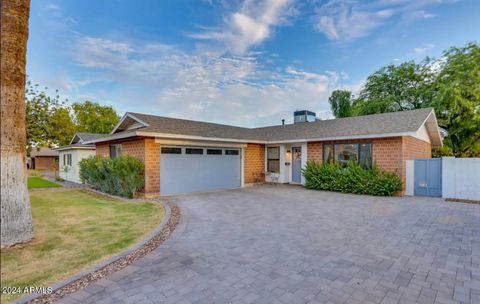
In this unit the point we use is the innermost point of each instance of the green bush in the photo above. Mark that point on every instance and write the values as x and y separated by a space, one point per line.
119 176
351 179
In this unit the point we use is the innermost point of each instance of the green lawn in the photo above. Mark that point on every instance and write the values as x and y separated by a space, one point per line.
38 182
74 229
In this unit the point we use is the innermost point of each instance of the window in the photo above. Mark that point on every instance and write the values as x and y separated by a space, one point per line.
167 150
360 153
194 151
214 151
365 155
231 152
273 159
328 153
67 159
115 150
346 152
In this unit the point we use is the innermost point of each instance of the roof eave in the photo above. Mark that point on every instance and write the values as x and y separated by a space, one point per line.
112 137
433 129
69 147
128 115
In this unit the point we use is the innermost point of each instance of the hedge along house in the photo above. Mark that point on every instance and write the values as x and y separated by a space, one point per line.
71 155
183 156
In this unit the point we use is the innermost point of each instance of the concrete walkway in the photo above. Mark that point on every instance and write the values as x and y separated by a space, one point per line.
285 244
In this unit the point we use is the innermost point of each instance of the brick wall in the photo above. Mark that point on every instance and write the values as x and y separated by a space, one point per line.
389 153
147 151
315 151
254 163
46 163
102 149
415 148
152 168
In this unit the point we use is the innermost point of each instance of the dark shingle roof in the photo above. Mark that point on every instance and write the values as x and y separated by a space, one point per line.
159 124
43 152
386 123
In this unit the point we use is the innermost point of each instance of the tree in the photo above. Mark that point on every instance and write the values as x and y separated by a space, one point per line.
396 88
341 103
49 122
52 122
95 118
451 85
63 127
457 98
16 215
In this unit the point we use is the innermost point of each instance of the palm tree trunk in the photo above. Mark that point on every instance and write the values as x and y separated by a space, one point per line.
16 215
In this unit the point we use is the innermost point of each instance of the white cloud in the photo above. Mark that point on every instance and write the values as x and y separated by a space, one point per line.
161 79
348 20
252 24
423 49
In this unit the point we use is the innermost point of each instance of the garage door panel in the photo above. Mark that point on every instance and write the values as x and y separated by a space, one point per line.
185 173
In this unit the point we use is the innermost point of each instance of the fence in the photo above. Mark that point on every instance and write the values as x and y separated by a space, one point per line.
460 178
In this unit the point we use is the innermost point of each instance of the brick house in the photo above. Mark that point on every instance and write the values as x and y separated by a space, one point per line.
43 159
183 156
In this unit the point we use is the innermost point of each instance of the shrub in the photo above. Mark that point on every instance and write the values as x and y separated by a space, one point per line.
351 179
119 176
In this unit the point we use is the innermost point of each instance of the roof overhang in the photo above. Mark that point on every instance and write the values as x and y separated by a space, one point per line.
367 136
433 129
166 136
113 137
92 147
75 137
129 122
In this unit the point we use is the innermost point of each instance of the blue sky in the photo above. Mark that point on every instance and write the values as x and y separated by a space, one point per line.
248 63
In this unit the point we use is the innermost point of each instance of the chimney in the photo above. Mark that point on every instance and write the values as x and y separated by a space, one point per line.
283 122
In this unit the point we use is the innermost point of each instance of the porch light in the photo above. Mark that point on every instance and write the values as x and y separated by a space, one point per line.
288 157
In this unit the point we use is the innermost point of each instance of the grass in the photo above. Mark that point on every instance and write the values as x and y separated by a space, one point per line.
38 182
74 229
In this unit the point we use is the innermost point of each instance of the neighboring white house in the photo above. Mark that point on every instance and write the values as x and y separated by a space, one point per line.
71 155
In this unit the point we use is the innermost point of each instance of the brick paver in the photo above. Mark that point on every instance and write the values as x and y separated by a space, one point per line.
285 244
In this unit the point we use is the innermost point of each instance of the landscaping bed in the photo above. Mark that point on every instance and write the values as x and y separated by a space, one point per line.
74 230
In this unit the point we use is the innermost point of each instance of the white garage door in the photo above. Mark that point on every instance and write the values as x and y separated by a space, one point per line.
197 169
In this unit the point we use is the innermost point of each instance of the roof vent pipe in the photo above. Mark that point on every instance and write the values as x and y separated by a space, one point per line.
283 122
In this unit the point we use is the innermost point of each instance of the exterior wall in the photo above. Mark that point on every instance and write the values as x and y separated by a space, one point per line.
414 148
389 153
72 173
315 151
46 163
254 163
286 163
147 151
152 167
102 149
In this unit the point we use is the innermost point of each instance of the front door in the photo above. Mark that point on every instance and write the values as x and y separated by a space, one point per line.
297 165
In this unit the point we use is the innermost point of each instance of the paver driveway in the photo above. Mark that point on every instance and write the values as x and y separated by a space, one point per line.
285 244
